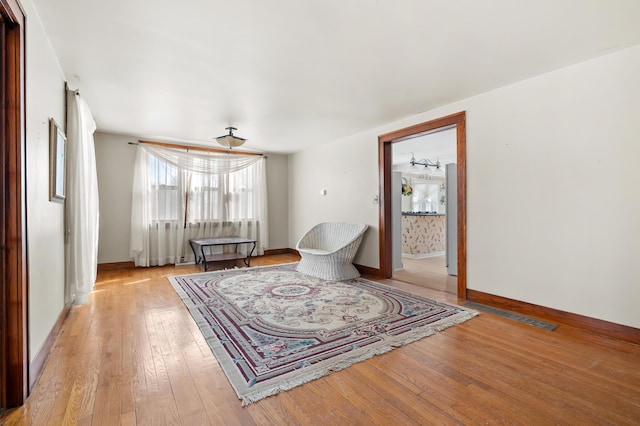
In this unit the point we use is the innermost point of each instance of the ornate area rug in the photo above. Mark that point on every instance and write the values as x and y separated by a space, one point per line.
272 328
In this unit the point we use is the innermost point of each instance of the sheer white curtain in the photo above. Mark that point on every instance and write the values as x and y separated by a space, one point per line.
179 195
157 207
82 213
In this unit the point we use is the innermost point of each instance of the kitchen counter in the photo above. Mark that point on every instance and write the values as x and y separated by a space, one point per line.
421 214
423 234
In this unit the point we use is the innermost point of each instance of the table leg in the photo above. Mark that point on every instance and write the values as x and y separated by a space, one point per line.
204 259
248 260
195 253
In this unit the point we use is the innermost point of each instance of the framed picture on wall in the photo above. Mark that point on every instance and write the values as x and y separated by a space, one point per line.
57 155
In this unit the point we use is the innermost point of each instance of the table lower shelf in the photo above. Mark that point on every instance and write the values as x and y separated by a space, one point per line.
224 256
199 245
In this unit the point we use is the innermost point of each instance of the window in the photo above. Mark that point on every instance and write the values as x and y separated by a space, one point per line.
206 198
212 197
163 190
179 195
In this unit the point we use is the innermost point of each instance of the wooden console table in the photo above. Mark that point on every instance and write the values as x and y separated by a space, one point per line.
198 246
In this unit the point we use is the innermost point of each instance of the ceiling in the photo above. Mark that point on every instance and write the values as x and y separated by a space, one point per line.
290 74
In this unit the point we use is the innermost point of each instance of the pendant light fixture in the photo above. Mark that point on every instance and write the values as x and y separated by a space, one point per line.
230 140
424 162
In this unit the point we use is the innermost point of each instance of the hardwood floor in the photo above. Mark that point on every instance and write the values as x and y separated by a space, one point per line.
430 272
133 355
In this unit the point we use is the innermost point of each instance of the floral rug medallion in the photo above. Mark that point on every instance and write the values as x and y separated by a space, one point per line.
272 328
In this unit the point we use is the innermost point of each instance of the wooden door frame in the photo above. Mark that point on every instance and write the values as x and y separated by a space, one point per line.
384 164
14 349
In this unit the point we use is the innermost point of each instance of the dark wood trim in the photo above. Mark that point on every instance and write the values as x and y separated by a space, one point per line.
37 365
384 219
14 356
593 325
367 270
11 9
200 148
384 166
269 252
3 189
294 251
461 148
115 266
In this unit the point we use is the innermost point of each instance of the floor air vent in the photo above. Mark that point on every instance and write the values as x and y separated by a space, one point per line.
512 315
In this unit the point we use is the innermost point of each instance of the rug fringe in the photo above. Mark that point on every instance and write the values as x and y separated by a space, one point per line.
413 336
234 269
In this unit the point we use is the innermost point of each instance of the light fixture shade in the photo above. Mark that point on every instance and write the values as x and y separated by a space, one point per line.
230 140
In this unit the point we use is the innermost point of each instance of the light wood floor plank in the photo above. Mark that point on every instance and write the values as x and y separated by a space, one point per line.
419 409
361 394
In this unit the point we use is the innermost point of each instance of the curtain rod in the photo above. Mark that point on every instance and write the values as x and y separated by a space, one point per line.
66 87
196 148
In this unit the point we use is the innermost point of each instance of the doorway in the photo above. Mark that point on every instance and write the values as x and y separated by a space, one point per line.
424 225
386 212
13 262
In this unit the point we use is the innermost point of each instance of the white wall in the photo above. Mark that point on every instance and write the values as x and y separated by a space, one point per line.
45 219
277 190
115 161
347 169
552 178
557 155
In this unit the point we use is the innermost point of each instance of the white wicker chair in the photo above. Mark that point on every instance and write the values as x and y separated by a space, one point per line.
328 249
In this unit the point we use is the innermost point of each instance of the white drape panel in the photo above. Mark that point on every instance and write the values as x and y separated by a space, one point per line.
157 205
82 205
180 195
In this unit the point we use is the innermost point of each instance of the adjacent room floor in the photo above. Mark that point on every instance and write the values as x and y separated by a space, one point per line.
430 272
